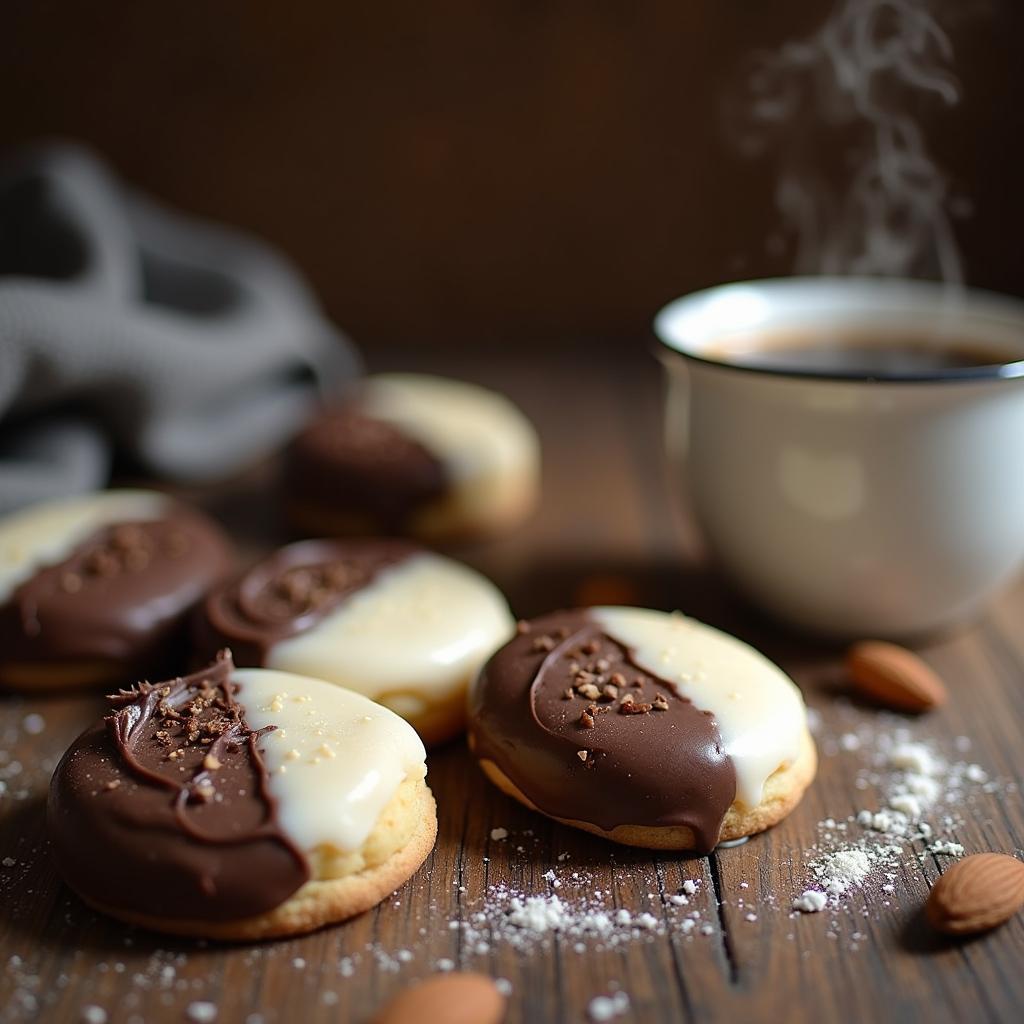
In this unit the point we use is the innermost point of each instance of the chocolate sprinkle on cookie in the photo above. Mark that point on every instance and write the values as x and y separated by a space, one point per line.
290 591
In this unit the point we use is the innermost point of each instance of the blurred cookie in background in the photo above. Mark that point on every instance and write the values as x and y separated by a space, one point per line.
98 588
415 455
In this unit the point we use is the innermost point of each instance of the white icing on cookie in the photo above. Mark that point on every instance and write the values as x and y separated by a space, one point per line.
335 759
472 431
758 708
422 626
46 534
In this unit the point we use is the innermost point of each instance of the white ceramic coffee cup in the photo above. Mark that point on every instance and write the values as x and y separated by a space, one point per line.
852 506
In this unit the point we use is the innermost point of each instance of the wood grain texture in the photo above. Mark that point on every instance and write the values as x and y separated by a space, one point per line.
607 525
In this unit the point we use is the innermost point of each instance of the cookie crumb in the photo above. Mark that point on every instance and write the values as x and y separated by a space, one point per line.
810 902
949 849
604 1008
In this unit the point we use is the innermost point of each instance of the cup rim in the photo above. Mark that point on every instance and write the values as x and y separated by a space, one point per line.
886 296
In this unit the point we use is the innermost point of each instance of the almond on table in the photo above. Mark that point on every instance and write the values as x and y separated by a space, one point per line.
894 677
976 894
456 998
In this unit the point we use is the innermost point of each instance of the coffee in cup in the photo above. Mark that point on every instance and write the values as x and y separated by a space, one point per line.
853 353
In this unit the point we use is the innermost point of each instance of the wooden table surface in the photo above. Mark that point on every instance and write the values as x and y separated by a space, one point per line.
608 528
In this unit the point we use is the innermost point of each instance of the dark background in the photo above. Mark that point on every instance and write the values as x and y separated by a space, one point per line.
479 172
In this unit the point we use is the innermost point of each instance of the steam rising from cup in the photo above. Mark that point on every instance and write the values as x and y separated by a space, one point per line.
852 92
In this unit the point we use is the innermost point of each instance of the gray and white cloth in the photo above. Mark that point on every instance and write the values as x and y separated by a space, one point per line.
183 347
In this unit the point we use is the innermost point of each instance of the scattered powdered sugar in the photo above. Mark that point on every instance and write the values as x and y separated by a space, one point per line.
602 1008
919 792
201 1012
572 910
848 867
22 781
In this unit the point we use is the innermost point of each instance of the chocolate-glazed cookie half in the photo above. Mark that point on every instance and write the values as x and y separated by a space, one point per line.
102 587
289 592
371 470
588 716
402 625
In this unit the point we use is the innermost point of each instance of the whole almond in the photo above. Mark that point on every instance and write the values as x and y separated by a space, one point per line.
894 677
456 998
976 894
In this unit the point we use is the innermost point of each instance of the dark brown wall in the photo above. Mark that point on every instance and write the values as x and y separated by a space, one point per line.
472 170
